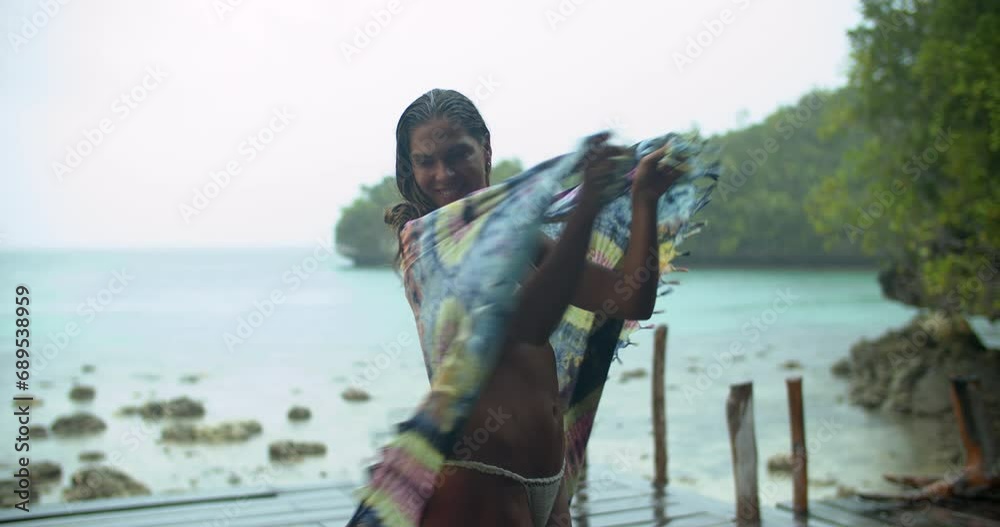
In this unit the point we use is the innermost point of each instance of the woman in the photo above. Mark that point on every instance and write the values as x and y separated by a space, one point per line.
506 463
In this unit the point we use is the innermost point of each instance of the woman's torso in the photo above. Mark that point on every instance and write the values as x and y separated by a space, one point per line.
517 424
520 410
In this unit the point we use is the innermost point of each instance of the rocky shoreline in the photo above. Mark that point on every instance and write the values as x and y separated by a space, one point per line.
180 417
907 371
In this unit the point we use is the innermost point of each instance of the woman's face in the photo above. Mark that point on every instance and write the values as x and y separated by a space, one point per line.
448 163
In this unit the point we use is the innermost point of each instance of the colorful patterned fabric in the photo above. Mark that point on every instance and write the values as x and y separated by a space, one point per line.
461 267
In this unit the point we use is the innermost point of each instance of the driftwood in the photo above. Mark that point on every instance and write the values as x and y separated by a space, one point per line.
980 475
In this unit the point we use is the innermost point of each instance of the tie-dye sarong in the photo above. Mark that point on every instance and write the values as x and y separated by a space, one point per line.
461 266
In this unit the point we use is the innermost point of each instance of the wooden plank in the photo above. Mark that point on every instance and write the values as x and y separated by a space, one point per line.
743 442
822 510
980 508
891 512
320 505
57 510
330 498
608 494
786 518
669 494
704 503
620 504
667 509
704 519
659 407
681 507
961 519
63 509
271 518
150 517
344 486
312 512
604 478
282 520
643 516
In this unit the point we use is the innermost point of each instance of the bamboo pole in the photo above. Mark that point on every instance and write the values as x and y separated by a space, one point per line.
742 439
659 406
800 472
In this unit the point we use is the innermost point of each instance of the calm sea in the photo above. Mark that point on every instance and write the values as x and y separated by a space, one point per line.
145 320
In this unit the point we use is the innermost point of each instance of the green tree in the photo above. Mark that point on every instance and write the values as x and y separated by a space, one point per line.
505 169
361 233
919 192
759 212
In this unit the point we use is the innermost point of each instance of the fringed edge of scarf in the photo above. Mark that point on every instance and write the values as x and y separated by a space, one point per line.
409 462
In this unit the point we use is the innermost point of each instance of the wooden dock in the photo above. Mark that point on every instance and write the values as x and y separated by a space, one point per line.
627 501
857 512
623 501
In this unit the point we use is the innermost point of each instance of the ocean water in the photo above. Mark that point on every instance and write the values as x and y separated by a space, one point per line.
146 319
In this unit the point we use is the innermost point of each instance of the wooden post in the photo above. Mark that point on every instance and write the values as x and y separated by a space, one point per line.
742 439
659 406
800 472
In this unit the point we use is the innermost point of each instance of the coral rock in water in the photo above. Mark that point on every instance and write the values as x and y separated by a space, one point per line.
226 432
637 373
82 393
78 424
299 413
91 455
179 407
290 450
102 482
780 463
355 394
45 472
38 432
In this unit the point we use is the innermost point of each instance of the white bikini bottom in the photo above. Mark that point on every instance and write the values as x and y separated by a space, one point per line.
542 492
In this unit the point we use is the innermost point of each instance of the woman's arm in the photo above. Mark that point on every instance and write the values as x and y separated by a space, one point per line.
628 293
546 294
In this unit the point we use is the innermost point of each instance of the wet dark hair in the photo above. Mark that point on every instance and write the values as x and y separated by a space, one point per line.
437 103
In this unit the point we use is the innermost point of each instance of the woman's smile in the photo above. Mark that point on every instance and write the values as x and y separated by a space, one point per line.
451 193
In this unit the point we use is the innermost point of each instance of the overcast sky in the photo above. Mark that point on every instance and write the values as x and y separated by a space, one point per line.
116 113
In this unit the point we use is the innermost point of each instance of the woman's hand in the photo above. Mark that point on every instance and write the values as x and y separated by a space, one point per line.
650 180
598 172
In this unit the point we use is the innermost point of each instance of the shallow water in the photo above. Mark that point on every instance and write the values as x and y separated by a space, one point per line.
171 318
